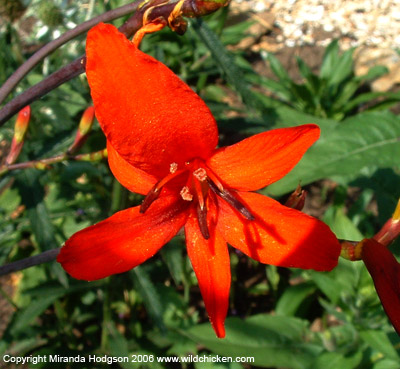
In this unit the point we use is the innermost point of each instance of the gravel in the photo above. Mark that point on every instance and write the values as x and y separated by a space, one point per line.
355 22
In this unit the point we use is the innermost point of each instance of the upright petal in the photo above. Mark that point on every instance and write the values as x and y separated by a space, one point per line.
211 263
149 115
262 159
123 241
385 272
279 235
132 178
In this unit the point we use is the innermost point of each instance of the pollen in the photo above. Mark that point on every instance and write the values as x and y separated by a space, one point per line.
185 193
200 174
173 167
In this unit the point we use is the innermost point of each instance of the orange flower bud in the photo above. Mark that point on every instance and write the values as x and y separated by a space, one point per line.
20 129
85 125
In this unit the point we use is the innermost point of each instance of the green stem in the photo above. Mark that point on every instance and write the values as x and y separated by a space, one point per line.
106 315
44 163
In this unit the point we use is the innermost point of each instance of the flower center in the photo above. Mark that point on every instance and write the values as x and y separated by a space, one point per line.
199 181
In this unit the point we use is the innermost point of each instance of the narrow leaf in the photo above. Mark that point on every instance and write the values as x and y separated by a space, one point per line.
273 341
366 141
149 294
226 62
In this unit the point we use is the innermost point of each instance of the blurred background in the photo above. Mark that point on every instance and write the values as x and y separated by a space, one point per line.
259 65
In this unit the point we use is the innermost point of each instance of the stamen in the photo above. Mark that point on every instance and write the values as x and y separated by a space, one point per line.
232 200
200 174
150 198
215 180
173 167
199 193
185 193
155 191
202 218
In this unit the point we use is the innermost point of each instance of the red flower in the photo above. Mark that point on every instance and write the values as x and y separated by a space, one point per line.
385 272
161 141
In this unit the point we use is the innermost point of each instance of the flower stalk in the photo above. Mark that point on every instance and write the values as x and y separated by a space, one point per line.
147 12
43 164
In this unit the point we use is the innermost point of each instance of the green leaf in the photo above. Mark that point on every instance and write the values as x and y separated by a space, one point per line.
279 89
380 342
343 69
335 360
32 195
118 345
172 254
330 60
341 224
373 73
312 81
341 281
226 62
366 141
389 98
34 309
273 341
9 200
278 69
386 364
149 294
293 297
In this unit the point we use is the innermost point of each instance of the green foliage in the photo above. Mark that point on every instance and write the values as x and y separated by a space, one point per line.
280 317
335 93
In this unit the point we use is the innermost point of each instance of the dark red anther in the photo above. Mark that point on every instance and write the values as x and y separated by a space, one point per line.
230 198
150 198
202 218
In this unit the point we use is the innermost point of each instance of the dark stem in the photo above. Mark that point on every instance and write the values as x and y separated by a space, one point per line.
44 257
157 8
24 69
64 74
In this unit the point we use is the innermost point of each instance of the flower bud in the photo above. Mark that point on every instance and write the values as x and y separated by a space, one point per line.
85 125
297 199
20 129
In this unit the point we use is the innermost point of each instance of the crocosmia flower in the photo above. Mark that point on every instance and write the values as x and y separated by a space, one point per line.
385 272
161 141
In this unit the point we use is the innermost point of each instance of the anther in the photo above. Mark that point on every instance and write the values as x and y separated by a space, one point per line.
149 199
202 218
200 174
155 191
173 167
185 193
232 200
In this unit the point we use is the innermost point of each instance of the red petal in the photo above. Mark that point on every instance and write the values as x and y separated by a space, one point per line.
210 261
262 159
385 272
279 235
149 115
123 241
133 179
